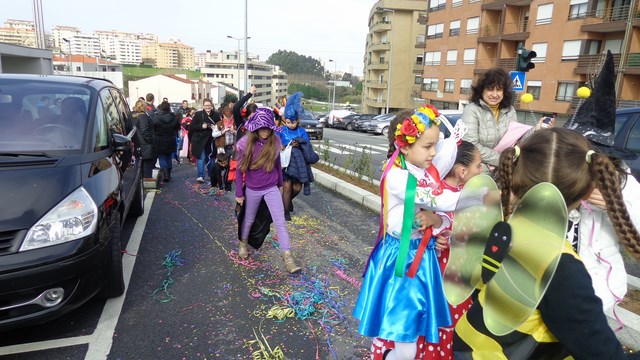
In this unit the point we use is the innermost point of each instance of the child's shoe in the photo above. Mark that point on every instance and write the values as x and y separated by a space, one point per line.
289 263
243 251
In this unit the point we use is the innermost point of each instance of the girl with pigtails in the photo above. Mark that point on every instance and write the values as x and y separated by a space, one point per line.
569 320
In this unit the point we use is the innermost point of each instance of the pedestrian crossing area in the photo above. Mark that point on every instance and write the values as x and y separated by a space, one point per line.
346 149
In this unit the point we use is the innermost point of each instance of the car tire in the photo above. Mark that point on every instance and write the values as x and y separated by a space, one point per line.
114 280
349 127
319 137
137 204
385 131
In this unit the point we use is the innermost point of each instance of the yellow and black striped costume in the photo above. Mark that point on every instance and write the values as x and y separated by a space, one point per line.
568 324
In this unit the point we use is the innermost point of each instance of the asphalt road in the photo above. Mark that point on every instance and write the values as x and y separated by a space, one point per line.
216 307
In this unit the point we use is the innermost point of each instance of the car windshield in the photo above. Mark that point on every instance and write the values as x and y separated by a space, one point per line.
40 116
306 115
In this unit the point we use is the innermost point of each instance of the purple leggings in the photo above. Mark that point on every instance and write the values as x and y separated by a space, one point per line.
273 198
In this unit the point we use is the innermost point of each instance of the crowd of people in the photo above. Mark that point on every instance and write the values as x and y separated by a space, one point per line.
402 303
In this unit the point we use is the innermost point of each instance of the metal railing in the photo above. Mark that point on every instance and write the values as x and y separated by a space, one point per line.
618 13
503 29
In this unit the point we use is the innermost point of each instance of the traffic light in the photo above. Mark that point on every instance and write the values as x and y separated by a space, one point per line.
524 60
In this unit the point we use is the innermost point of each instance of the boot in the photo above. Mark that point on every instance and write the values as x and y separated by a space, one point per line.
243 252
289 263
167 175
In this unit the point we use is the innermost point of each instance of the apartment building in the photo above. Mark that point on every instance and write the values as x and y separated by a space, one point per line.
228 68
18 32
61 32
465 38
393 57
168 55
122 47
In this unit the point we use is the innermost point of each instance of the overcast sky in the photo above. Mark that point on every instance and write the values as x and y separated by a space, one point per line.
326 29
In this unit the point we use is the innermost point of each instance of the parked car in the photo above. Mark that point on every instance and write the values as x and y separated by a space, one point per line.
380 124
333 114
348 122
453 116
322 118
627 130
70 176
311 125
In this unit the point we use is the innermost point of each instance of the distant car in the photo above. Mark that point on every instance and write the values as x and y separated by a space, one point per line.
333 114
627 130
380 124
311 125
70 176
348 122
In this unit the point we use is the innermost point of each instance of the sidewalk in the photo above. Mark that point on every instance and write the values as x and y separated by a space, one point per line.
629 336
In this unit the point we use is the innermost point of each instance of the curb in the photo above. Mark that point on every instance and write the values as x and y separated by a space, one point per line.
372 201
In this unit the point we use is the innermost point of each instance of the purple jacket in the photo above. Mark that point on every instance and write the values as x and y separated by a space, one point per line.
257 179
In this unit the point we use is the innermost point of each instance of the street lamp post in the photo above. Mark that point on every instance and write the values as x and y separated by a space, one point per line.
390 53
238 67
68 52
335 71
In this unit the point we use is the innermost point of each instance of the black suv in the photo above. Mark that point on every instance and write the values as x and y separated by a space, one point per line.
628 135
70 173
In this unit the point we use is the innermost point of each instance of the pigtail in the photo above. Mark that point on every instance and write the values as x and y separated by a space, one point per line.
607 179
505 178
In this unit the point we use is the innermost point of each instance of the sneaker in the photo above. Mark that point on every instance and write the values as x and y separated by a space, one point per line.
200 180
287 216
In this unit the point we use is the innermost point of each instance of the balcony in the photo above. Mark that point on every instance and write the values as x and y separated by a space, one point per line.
422 19
500 4
483 65
374 102
418 68
377 84
420 44
625 104
509 31
591 64
631 65
379 46
606 20
380 26
378 66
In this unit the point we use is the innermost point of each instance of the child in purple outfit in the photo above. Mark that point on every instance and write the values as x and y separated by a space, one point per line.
258 176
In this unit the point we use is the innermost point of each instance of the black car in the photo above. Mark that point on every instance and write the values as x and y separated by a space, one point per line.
69 175
627 130
348 122
311 125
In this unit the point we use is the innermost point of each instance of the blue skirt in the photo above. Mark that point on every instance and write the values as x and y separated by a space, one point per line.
402 309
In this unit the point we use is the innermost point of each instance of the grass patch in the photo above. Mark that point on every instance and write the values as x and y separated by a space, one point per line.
363 184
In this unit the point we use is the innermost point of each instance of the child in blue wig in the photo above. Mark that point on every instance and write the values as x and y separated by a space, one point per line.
298 171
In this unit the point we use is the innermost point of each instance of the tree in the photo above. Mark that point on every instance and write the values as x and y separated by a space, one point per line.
294 63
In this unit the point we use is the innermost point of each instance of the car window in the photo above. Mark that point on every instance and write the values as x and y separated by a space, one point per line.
42 115
633 141
100 133
123 110
111 112
621 119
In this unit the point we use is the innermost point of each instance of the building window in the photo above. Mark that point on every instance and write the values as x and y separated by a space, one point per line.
465 86
435 5
452 57
533 88
541 52
456 3
454 28
430 84
448 85
469 56
432 58
472 25
571 50
545 12
417 80
435 31
565 91
578 9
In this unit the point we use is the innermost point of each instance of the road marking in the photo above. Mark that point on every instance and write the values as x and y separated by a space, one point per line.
102 338
334 150
367 148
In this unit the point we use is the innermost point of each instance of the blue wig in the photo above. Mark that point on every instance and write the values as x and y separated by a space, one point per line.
294 106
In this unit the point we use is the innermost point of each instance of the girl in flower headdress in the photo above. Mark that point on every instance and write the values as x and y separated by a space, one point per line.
402 297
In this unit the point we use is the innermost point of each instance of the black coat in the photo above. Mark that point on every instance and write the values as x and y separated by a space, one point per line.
201 138
238 119
145 133
302 157
166 129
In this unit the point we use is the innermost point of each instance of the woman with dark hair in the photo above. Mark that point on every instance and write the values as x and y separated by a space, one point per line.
166 131
490 116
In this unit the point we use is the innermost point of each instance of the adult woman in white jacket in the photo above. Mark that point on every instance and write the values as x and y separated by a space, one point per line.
598 245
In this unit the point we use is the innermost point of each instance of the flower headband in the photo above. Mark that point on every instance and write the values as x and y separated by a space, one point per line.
412 127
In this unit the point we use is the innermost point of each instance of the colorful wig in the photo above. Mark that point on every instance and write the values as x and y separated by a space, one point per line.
294 106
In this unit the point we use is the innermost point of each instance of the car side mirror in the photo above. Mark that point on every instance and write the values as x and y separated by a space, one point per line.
121 143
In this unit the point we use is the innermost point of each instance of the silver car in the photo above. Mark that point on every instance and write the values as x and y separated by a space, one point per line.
380 124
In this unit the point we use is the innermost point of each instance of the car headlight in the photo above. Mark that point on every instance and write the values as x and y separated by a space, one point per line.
319 125
74 217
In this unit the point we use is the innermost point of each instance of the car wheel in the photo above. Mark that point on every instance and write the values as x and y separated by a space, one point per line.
385 131
319 137
114 281
137 204
349 127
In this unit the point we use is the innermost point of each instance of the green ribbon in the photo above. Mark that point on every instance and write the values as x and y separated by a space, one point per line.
407 220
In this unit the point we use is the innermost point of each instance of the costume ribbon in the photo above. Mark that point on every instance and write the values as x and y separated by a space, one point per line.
407 220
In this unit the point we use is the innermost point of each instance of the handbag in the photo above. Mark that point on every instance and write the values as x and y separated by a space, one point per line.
285 156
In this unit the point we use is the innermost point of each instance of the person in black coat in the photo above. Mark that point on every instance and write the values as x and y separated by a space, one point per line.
238 117
201 139
145 136
166 130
